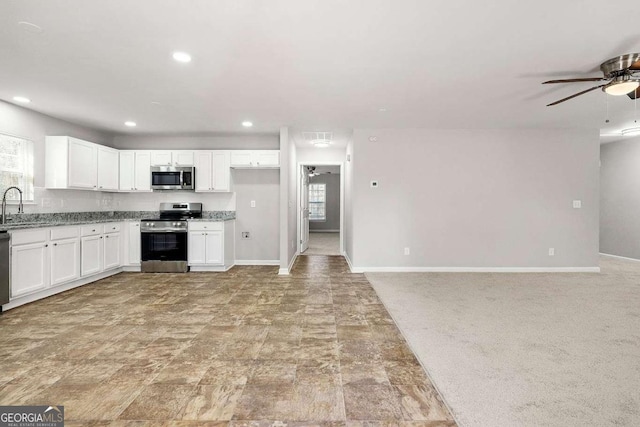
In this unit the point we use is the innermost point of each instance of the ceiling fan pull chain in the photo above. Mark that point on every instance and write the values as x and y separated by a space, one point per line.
606 101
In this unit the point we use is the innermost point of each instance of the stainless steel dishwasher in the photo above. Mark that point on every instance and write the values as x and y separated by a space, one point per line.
4 268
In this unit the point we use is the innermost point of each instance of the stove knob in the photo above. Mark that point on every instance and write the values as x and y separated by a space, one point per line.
153 224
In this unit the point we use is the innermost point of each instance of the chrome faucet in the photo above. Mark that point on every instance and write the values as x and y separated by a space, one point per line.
4 204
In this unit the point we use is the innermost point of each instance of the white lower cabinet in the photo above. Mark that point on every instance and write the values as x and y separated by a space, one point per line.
44 257
91 255
29 265
101 248
112 251
133 244
208 246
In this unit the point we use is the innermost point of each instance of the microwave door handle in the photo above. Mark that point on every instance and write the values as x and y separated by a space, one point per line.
181 178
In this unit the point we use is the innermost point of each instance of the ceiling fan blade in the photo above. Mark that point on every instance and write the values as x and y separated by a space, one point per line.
575 94
635 94
635 66
586 79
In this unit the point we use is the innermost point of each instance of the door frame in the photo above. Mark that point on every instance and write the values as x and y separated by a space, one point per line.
299 198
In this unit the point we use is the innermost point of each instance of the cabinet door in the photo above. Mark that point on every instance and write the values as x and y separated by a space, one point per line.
182 158
160 158
112 258
91 255
197 247
142 175
241 158
29 271
221 171
127 170
214 248
267 157
108 173
65 261
83 164
204 172
133 256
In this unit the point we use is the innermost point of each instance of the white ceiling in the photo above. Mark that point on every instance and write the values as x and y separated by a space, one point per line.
315 64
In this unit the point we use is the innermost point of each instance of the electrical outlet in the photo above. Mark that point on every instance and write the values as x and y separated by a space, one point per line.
577 204
253 203
552 251
246 235
407 251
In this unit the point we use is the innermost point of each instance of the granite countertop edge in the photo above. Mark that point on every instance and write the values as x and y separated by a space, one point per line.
42 222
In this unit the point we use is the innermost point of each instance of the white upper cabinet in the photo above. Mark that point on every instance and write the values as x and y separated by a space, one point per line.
172 158
108 170
135 171
77 164
255 158
213 172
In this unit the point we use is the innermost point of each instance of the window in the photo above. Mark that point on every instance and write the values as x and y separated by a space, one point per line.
317 202
16 166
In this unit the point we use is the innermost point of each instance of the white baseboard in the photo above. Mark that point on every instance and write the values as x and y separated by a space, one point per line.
620 257
474 269
323 231
210 268
131 268
286 271
351 267
257 262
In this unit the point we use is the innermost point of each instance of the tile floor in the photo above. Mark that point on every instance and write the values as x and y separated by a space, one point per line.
246 347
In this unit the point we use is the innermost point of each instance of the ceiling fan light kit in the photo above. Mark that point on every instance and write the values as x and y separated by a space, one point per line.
631 131
621 74
621 88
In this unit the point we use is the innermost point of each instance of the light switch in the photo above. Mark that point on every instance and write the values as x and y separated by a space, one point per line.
253 203
577 204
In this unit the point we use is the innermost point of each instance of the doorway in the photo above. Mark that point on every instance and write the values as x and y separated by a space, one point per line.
320 209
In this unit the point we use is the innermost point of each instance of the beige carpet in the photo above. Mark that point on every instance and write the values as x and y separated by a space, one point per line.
323 244
559 349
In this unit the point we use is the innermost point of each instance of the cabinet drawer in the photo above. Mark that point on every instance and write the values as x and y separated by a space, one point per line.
91 230
206 226
58 233
113 227
24 237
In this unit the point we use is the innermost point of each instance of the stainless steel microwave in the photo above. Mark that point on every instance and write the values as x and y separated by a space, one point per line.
173 178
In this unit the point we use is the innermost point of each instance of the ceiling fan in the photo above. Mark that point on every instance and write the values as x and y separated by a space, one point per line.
622 76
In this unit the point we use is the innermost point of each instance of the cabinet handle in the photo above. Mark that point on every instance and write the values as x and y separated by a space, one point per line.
93 231
101 237
46 246
101 186
55 244
203 234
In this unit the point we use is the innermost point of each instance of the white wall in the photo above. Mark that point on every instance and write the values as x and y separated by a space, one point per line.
475 198
288 200
620 198
309 156
262 221
348 230
18 121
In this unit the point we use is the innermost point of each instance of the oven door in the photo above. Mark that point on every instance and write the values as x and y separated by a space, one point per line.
159 246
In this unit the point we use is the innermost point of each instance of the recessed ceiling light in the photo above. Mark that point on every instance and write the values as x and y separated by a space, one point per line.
155 103
21 99
321 143
382 110
247 124
29 27
130 124
181 56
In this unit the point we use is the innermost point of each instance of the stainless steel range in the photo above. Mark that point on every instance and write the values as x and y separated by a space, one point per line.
164 239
